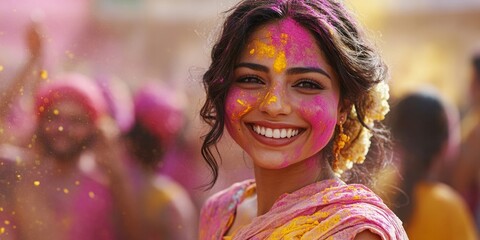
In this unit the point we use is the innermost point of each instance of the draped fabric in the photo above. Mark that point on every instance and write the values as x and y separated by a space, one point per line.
329 209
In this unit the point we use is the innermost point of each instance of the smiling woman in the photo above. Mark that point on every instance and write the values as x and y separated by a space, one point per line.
301 91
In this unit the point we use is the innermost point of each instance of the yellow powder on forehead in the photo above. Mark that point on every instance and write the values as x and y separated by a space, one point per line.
284 38
280 62
262 49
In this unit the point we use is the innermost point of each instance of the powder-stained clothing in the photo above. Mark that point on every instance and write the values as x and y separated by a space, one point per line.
328 209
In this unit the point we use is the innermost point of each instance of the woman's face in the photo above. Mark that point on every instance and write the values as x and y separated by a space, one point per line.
284 101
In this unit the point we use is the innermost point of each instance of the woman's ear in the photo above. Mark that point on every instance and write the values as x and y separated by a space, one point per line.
343 110
341 118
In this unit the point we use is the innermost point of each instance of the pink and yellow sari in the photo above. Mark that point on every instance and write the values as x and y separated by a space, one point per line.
328 209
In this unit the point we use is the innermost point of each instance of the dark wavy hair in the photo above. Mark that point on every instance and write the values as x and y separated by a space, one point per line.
353 58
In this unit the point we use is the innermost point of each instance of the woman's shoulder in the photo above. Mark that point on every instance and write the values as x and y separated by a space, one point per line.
360 209
234 193
217 213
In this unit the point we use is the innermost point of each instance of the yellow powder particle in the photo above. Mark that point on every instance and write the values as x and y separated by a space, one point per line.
60 129
284 38
252 51
91 194
270 98
36 183
65 191
2 230
1 68
7 222
241 102
56 112
43 74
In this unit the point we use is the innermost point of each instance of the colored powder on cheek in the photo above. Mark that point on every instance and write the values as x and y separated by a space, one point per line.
238 103
246 106
320 113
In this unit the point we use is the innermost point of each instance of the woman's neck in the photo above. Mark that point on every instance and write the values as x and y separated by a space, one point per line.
272 183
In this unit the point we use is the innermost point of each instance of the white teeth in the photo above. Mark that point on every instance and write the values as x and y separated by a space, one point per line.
283 134
268 132
275 133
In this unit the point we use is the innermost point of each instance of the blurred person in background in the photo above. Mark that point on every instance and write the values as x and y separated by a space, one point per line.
164 208
9 158
429 209
16 93
11 114
67 189
466 177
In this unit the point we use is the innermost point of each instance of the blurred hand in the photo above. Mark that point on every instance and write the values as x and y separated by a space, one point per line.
106 148
34 39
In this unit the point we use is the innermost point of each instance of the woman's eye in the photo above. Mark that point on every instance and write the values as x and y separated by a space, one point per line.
308 84
250 80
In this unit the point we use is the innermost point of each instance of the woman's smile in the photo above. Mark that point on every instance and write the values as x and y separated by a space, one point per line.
274 134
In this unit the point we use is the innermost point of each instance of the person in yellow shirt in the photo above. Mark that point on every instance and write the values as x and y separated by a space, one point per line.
428 208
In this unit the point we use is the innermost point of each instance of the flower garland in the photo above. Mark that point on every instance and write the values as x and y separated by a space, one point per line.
356 150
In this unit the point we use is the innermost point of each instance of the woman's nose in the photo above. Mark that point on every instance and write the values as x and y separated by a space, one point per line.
275 102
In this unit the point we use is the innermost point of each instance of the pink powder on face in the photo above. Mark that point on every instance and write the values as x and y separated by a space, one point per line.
321 113
299 40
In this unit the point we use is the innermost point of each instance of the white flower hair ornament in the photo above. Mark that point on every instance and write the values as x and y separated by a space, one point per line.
352 143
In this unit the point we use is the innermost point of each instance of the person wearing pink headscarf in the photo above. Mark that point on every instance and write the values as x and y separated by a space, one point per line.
165 210
62 192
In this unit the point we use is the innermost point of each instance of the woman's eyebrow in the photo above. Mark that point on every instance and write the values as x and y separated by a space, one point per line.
290 71
300 70
254 66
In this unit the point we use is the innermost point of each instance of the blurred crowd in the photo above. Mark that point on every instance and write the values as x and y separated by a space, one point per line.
95 156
